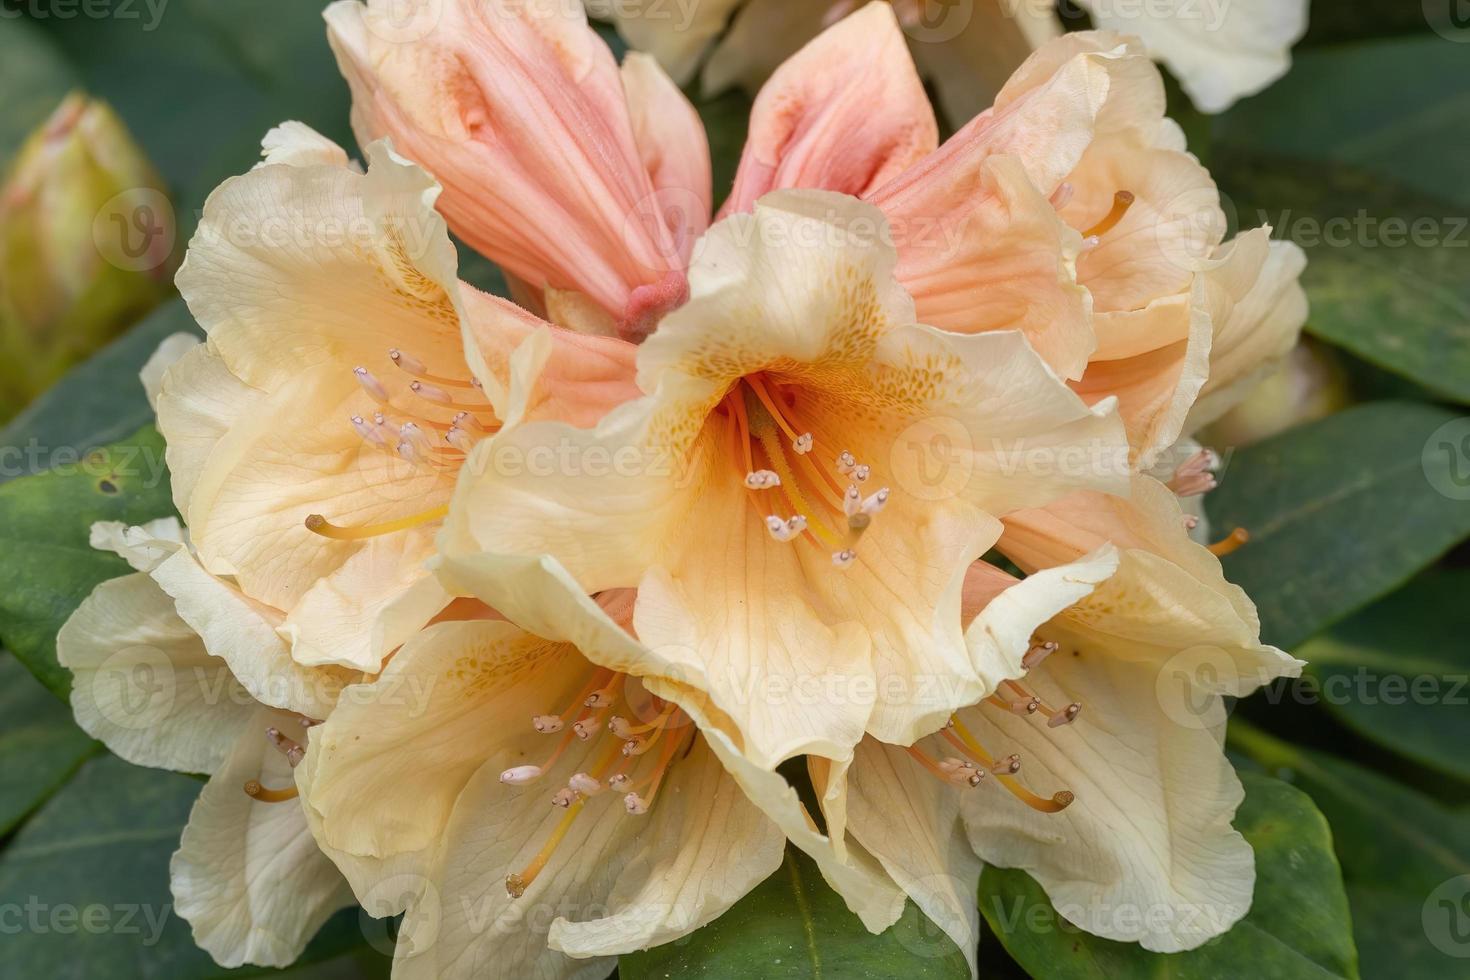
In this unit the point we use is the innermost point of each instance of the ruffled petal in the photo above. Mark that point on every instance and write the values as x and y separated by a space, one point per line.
248 877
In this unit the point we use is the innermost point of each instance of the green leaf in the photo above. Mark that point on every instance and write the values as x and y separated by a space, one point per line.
793 927
40 746
1400 851
34 75
1385 266
97 402
1397 671
88 879
47 566
1394 107
1340 512
1298 925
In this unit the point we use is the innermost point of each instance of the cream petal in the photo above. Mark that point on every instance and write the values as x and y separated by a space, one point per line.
296 144
1257 308
1146 852
911 823
142 546
846 113
762 36
248 877
676 34
242 633
1169 601
519 110
169 351
1220 51
376 600
674 150
143 683
994 37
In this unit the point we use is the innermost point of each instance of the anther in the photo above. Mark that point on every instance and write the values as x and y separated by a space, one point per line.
587 727
844 558
802 443
600 699
291 750
1062 196
619 727
1190 522
635 746
520 775
372 385
1065 716
408 362
546 724
1196 475
619 781
564 797
1008 766
635 804
861 472
459 438
846 462
761 480
852 500
584 783
1090 242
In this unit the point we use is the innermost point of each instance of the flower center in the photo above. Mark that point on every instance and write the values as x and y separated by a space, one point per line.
973 764
618 763
407 421
293 752
826 508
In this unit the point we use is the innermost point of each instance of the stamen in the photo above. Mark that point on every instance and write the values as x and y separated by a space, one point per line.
587 727
619 727
953 771
1090 242
547 724
1230 543
852 500
876 502
407 362
1039 651
844 558
368 431
635 804
1059 801
1062 195
318 524
1196 474
516 884
291 750
521 775
785 530
371 385
846 463
256 791
1122 201
1008 766
861 472
1190 522
802 443
564 798
459 439
601 698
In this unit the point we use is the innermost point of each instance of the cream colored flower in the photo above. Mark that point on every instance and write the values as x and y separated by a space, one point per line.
248 876
534 814
770 497
1220 51
315 437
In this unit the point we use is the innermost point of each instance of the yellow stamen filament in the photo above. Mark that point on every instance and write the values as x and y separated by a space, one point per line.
776 456
658 722
1059 802
1122 201
1230 543
516 884
318 524
256 791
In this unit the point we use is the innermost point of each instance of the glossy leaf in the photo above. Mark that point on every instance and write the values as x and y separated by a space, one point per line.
47 566
1404 856
40 745
1298 925
97 402
1398 672
89 878
794 927
1341 512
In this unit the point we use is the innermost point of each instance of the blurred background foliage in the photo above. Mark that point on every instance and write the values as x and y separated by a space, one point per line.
121 116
